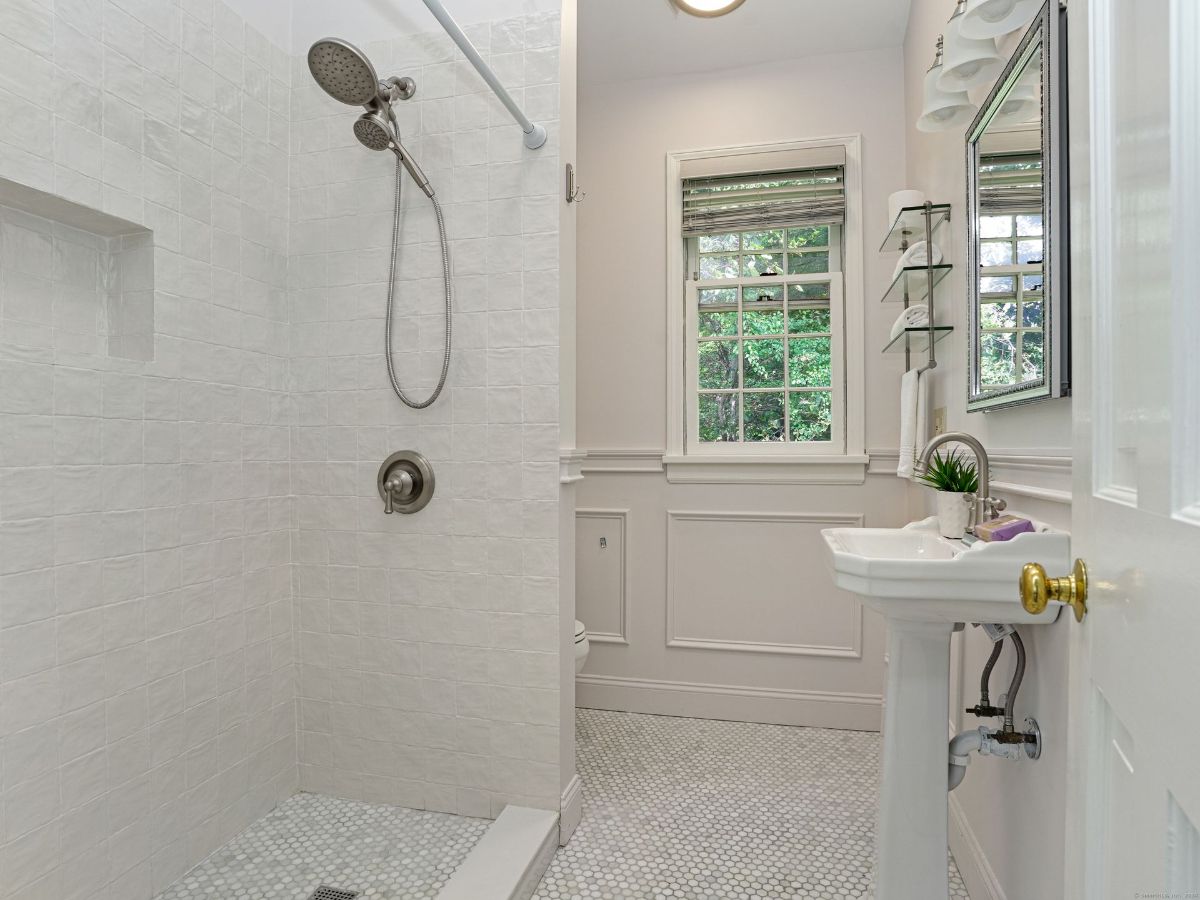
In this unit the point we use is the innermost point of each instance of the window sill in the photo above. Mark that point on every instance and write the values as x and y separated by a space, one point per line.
793 469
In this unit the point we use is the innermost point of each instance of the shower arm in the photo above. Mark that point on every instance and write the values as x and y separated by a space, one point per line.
535 135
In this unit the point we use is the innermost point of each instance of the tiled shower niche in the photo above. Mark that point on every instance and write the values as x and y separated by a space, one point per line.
73 280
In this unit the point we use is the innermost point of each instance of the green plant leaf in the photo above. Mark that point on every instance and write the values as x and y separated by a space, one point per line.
952 472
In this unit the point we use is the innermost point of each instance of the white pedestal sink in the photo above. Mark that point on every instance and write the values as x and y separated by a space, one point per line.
925 585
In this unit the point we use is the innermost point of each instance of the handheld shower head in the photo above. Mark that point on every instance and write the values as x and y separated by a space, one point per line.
375 133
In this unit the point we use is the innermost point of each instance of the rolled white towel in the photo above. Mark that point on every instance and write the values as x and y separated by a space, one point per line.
901 200
913 317
916 256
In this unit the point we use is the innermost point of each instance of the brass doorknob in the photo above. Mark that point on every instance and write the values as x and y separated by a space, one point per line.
1037 591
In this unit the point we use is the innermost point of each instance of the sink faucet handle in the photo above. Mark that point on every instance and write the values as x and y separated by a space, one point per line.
996 505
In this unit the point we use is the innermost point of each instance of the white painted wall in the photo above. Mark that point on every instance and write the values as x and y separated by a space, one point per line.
626 130
1033 445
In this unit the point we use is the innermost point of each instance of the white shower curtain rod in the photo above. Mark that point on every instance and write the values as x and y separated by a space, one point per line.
535 135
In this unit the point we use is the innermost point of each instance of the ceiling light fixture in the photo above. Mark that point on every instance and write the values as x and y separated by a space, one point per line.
708 8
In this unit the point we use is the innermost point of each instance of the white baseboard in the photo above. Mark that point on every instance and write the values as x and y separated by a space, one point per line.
570 809
509 860
977 874
774 706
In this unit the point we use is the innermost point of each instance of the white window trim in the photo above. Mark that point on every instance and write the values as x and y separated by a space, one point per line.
778 463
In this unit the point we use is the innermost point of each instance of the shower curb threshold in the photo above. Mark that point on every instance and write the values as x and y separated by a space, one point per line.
508 862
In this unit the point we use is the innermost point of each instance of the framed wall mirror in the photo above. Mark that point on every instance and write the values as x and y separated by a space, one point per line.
1018 247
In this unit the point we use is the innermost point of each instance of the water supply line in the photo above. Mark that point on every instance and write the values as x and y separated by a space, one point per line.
1015 685
1007 742
535 135
984 709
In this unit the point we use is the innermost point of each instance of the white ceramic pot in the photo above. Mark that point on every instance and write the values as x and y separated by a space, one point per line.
954 514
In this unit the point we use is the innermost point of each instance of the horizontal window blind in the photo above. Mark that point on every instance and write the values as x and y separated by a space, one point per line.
1010 184
743 202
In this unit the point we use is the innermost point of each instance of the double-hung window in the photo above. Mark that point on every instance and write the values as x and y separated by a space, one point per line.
765 313
1011 271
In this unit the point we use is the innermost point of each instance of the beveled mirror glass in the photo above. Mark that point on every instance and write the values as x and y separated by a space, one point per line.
1017 241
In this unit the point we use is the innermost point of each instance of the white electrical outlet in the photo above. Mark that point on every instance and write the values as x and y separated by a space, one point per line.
939 420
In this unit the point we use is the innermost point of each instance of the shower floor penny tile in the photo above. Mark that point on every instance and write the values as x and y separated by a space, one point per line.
383 852
707 810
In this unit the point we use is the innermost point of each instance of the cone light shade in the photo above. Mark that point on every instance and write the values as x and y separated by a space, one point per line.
968 62
943 110
994 18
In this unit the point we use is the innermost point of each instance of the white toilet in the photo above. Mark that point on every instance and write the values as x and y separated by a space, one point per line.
581 646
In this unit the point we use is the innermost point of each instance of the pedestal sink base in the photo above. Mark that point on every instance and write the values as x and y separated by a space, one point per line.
912 838
924 584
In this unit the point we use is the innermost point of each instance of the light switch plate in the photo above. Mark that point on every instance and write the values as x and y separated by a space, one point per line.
939 420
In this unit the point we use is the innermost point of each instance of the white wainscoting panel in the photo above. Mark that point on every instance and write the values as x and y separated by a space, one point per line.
601 573
756 582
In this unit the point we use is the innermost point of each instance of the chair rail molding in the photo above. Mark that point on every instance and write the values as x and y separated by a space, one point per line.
570 465
850 650
1034 472
624 460
691 470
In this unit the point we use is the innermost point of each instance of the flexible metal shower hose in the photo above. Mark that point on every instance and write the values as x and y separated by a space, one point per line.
391 292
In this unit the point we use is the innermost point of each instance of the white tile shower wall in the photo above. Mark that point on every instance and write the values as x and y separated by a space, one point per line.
427 645
146 664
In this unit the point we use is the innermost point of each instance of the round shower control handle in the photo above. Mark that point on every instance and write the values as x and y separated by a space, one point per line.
399 483
405 482
397 487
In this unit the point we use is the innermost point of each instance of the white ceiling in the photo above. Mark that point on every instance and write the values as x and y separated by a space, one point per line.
629 39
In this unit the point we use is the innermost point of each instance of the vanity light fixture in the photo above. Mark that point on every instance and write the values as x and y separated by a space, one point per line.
968 62
708 8
994 18
943 109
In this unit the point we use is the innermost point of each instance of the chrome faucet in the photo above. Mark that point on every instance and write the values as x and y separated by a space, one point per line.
987 507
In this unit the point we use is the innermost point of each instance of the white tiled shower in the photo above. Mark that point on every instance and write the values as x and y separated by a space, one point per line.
428 654
203 608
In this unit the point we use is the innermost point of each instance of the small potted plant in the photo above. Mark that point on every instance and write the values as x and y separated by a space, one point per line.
953 476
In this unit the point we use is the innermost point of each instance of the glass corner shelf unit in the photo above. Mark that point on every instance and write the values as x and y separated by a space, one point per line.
910 226
913 283
916 339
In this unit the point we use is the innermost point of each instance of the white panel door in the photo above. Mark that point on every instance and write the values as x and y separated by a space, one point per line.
1134 775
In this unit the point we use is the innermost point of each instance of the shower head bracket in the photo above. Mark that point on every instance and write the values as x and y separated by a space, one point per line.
397 87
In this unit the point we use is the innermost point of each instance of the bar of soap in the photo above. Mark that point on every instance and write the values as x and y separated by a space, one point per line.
1004 528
